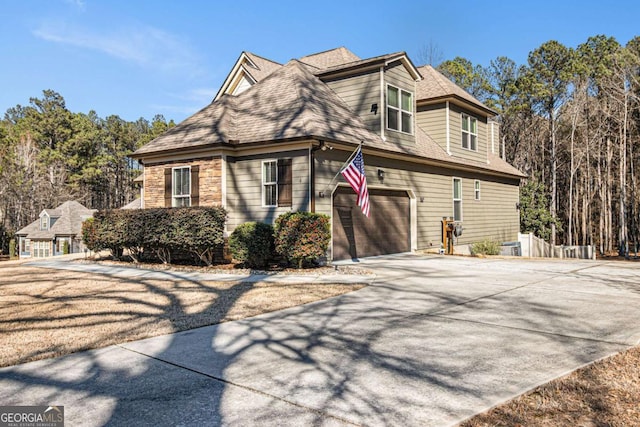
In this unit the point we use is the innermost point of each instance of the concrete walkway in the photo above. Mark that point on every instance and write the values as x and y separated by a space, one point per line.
431 342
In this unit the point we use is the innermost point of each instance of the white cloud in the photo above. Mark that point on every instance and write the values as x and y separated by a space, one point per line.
144 46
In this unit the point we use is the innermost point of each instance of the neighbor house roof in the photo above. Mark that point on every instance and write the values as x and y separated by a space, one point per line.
135 204
70 216
436 85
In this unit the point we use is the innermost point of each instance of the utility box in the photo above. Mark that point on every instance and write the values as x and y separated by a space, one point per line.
450 230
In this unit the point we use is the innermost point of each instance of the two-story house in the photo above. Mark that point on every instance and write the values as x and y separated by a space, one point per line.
276 136
54 230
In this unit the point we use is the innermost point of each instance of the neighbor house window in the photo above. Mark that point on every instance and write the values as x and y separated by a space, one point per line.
44 224
181 187
457 199
469 132
399 110
476 189
276 183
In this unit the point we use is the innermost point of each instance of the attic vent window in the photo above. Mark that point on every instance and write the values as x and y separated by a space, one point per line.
399 110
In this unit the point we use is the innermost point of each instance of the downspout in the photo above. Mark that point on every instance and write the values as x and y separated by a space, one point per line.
312 177
383 108
448 132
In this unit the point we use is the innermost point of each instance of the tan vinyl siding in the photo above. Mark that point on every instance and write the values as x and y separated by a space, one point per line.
359 93
210 188
396 74
432 119
494 216
455 125
244 187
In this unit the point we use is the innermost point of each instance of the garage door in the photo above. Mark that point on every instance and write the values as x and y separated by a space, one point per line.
386 231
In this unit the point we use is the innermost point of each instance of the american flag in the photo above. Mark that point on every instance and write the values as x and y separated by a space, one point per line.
354 174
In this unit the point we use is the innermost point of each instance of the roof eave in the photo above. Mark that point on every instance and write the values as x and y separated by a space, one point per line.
456 99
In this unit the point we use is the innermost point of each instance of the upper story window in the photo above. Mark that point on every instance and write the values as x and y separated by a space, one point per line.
44 223
399 110
276 183
476 189
181 188
469 132
457 199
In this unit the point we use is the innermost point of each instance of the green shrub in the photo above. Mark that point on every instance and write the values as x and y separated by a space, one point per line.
163 232
302 236
486 247
65 247
252 243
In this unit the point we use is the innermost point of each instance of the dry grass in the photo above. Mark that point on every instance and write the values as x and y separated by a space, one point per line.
605 393
47 313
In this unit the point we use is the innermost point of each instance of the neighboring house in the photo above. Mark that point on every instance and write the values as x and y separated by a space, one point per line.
47 235
276 136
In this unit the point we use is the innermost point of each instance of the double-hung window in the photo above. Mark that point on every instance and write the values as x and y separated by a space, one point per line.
476 189
469 132
181 192
399 110
457 199
276 183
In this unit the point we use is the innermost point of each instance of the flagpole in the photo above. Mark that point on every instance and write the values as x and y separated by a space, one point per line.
343 165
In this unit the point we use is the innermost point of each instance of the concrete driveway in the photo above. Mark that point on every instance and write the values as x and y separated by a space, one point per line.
433 341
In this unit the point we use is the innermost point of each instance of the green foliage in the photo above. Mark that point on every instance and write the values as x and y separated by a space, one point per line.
252 243
302 236
65 247
473 79
163 232
12 249
486 247
534 211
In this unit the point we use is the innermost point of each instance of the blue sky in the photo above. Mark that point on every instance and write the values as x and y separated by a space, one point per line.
141 58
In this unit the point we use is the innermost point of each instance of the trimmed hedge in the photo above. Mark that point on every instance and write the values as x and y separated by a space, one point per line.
252 243
164 232
302 236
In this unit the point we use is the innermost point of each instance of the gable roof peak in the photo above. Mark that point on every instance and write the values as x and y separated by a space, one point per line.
330 58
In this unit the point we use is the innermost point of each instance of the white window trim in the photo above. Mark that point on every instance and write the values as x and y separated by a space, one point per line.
400 110
469 117
476 189
173 184
44 222
263 183
454 200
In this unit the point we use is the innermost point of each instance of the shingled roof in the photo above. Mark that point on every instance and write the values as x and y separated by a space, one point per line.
293 103
289 103
436 85
263 66
70 216
330 58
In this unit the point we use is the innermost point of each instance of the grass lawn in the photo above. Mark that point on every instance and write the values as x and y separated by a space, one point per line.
605 393
47 313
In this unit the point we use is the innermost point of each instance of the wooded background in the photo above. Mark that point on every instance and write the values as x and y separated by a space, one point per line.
570 120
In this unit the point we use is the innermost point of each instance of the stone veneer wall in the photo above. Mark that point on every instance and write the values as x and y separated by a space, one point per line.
210 181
